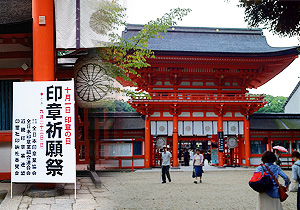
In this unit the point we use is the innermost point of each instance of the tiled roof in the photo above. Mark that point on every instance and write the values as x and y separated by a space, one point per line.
261 121
121 120
15 11
225 41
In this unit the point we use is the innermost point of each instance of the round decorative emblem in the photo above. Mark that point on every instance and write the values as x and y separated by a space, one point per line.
232 142
160 142
92 82
233 128
207 128
188 128
162 128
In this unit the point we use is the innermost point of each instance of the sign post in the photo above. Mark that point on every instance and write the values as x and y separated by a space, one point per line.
43 144
221 141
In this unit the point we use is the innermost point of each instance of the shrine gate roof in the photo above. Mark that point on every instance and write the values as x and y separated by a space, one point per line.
212 41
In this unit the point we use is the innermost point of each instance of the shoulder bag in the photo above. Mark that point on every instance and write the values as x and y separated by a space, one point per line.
261 181
281 189
193 174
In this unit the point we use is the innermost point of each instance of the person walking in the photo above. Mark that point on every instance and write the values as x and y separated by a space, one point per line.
296 174
191 155
165 168
186 157
270 199
209 157
278 161
197 166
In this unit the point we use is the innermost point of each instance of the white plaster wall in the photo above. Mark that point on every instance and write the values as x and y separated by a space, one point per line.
5 148
208 129
255 161
155 114
138 162
153 127
170 128
211 114
197 114
215 127
180 130
184 114
238 114
198 130
228 114
162 128
188 128
293 106
167 114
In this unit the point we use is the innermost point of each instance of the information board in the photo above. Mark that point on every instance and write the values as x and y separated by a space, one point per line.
43 144
221 141
214 156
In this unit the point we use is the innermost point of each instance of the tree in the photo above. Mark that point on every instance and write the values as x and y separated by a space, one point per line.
123 57
110 105
281 17
274 104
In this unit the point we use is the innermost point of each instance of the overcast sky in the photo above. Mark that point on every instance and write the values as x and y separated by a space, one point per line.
222 14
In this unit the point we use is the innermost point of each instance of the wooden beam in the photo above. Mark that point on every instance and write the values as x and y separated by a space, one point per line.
15 72
5 136
16 54
4 175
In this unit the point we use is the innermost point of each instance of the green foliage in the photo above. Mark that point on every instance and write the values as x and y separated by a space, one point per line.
279 16
108 17
114 106
123 57
274 104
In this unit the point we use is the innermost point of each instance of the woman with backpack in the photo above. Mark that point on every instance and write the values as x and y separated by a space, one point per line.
270 199
296 173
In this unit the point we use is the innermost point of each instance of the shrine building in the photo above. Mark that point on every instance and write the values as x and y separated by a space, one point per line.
198 83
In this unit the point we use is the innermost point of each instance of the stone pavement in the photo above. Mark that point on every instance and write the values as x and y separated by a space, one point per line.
88 198
206 167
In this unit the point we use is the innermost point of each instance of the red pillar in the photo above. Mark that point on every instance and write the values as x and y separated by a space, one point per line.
43 48
43 40
175 141
220 129
147 142
247 140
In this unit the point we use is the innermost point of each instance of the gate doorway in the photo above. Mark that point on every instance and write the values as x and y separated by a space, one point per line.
230 155
155 152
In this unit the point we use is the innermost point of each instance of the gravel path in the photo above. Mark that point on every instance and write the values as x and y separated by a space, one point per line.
219 190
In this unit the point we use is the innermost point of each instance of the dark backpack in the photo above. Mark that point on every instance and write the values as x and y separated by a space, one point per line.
261 181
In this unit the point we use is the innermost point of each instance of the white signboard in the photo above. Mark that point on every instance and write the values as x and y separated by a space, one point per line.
43 144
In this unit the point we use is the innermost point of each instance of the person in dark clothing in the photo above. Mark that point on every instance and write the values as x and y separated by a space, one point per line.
208 157
180 154
186 157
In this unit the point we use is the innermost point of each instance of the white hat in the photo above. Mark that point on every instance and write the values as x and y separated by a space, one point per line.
164 146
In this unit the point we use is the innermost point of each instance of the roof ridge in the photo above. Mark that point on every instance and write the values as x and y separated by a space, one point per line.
196 29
